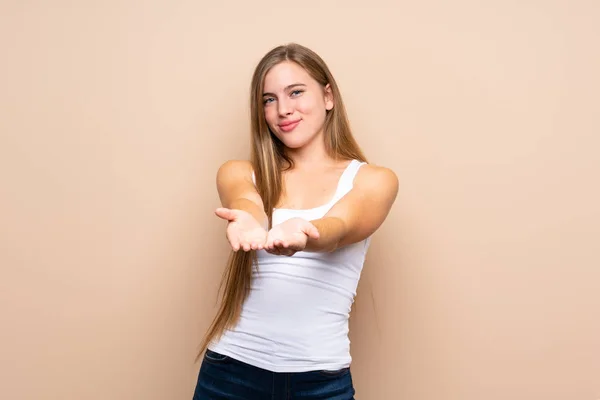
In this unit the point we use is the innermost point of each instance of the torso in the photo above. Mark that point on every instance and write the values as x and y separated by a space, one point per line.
295 318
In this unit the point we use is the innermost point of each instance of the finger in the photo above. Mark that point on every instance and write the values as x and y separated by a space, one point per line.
312 232
225 213
232 241
240 241
288 253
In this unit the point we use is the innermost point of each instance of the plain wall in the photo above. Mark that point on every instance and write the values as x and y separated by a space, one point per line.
484 281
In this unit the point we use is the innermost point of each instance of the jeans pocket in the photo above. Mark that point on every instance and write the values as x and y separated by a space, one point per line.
214 357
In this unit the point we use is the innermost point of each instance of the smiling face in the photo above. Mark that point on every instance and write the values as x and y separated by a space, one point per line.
295 104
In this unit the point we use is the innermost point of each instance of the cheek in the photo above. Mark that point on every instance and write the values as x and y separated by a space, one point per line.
313 104
312 109
270 115
306 105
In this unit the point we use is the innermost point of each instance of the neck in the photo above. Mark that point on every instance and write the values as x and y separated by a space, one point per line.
311 155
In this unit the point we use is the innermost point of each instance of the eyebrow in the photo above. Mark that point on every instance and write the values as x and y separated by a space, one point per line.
293 85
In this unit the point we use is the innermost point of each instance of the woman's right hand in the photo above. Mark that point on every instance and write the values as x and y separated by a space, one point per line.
243 230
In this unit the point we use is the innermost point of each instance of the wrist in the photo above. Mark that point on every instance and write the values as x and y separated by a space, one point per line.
253 209
331 231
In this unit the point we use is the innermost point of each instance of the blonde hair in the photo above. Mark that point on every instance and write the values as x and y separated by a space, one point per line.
269 160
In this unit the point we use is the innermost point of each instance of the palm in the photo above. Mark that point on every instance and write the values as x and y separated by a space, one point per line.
243 230
290 236
246 230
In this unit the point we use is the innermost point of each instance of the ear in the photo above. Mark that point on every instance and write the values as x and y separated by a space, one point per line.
328 97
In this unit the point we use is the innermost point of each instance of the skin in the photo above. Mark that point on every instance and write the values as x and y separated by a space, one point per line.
292 95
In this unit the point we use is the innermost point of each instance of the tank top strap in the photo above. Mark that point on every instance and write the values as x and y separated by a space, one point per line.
346 182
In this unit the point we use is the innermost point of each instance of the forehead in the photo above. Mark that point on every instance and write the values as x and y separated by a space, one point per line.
284 74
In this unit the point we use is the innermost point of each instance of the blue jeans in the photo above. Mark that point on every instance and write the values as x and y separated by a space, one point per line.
225 378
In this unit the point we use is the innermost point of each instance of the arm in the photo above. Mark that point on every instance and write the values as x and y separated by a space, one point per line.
237 191
359 213
243 208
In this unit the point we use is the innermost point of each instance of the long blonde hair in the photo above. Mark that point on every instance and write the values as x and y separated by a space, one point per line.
269 160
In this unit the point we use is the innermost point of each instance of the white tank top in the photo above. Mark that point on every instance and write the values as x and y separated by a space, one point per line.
295 318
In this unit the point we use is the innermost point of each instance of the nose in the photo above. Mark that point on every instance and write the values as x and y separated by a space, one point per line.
285 107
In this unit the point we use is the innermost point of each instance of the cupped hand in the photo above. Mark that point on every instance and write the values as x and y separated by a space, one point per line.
243 230
290 237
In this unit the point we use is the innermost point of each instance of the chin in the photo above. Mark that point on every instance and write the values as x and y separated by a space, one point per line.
294 144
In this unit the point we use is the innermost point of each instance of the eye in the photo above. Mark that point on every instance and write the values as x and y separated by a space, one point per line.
268 100
296 93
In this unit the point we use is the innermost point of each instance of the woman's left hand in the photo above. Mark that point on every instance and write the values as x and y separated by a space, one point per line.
290 237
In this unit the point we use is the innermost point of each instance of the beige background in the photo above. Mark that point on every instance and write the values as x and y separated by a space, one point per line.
114 117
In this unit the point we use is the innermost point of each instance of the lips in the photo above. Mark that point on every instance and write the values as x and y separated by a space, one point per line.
289 126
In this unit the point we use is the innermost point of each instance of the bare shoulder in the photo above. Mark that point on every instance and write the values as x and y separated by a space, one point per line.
234 170
367 205
377 179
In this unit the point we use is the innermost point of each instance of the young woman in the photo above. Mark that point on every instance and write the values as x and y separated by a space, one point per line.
300 216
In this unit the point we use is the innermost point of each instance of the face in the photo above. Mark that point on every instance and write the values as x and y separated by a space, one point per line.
295 104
